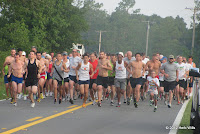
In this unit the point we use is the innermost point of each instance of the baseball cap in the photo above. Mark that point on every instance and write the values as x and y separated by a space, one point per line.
121 53
24 53
171 56
164 57
65 53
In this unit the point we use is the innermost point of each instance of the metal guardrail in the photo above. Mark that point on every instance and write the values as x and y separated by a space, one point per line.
195 114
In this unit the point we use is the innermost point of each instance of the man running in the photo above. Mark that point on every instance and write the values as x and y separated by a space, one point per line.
120 76
93 80
33 70
83 77
102 79
136 79
6 66
170 71
182 84
74 61
161 79
17 70
129 91
44 66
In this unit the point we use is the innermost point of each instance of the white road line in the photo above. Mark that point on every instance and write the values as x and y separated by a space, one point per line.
178 118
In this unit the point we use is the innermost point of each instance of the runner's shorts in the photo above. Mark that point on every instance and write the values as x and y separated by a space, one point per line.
183 84
102 81
121 83
111 81
169 85
92 81
84 82
31 82
16 79
73 78
136 81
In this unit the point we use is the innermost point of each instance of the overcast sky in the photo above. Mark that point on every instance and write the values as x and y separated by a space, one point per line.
162 8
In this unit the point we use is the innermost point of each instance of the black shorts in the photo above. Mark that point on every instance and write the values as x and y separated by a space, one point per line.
136 81
24 76
92 81
183 84
80 82
161 83
73 78
169 85
102 81
30 82
66 79
111 81
59 82
127 81
191 84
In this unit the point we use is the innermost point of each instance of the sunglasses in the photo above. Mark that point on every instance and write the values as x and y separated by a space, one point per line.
171 58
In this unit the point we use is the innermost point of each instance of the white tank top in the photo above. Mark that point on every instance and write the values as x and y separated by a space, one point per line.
67 66
84 72
120 70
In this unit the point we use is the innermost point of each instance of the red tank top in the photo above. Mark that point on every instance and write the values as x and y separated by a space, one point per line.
94 64
50 67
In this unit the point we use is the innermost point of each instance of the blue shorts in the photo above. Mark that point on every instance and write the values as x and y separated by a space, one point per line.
16 79
84 82
49 76
6 79
73 78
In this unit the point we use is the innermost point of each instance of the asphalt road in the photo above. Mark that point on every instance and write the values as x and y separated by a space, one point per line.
64 118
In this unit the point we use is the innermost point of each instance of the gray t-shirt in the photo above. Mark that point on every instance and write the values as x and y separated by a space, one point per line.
170 69
74 61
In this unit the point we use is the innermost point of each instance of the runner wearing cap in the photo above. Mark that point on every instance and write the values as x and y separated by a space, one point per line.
170 71
120 76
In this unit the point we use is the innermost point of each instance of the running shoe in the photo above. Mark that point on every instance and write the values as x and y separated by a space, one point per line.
99 104
124 100
169 105
178 103
84 105
112 103
15 103
155 109
25 97
151 102
136 105
165 102
38 100
47 94
51 94
142 98
94 102
128 101
60 100
55 100
7 98
33 104
12 100
41 96
71 101
107 94
63 99
118 105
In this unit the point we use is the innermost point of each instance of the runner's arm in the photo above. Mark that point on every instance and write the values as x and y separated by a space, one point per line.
91 70
76 70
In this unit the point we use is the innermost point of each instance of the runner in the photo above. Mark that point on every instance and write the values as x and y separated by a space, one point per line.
44 66
153 83
6 66
192 65
66 78
83 77
161 79
129 91
93 80
182 84
102 79
34 48
33 70
111 77
49 81
120 77
17 70
74 61
136 79
170 71
57 72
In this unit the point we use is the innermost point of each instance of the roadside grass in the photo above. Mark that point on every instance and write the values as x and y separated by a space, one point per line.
2 89
185 122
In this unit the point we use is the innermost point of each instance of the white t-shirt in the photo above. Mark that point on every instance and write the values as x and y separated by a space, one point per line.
74 61
182 68
152 86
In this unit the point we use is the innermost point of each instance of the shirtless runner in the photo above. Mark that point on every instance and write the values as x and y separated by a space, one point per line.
44 67
6 66
135 68
17 70
102 79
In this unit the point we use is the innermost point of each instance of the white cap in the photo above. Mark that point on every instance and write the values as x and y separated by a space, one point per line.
48 56
24 53
121 53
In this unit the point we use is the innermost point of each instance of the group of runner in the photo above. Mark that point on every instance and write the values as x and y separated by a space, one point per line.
97 77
